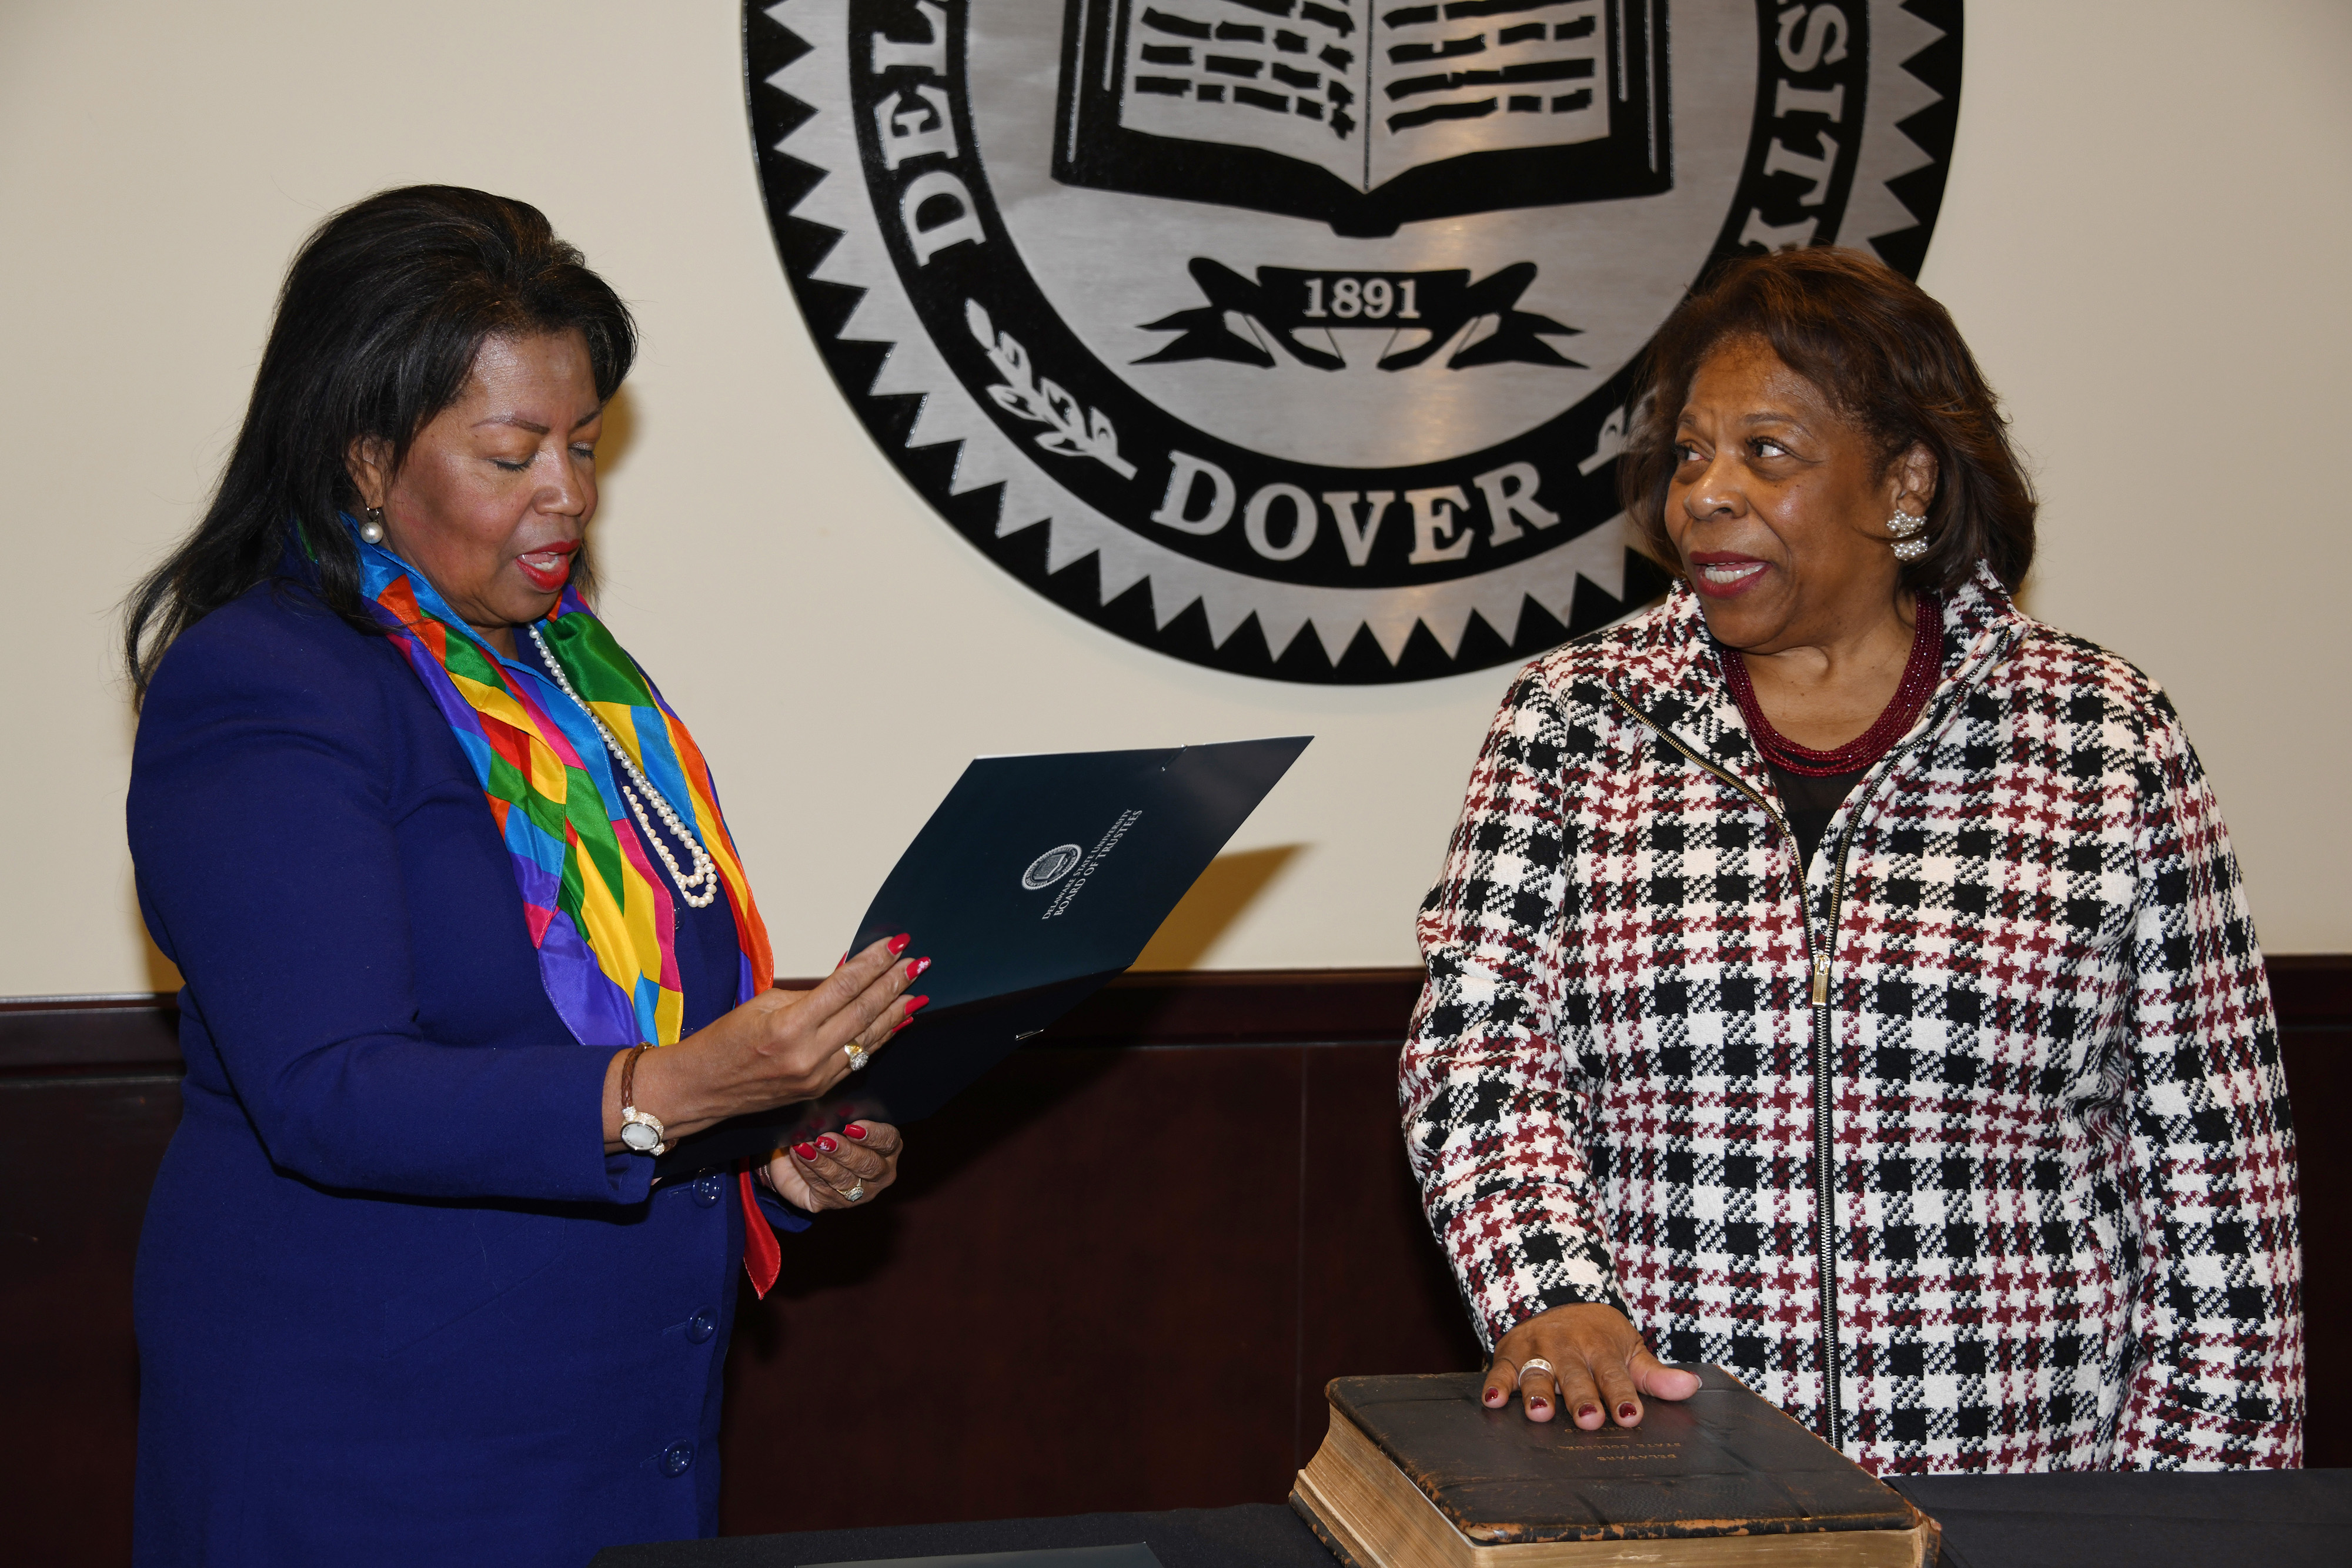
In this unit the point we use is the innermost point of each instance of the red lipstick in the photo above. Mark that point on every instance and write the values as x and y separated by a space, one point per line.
549 568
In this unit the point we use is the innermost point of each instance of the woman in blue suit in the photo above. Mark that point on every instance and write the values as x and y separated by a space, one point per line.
465 941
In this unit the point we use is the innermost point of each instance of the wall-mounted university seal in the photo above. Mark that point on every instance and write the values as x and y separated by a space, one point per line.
1293 337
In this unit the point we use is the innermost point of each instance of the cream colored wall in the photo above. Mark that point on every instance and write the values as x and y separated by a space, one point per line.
2144 238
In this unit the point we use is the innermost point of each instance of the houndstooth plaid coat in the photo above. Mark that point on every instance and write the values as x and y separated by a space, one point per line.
2016 1028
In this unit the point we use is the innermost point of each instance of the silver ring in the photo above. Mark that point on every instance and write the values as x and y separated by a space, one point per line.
1538 1364
857 1058
855 1192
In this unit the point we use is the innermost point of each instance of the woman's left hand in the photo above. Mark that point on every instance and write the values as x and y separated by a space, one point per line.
840 1170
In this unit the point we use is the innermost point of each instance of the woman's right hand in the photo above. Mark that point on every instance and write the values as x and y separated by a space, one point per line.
778 1049
1601 1368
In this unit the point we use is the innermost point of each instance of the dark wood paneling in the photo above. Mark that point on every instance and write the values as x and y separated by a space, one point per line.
2312 990
1092 1271
75 1168
1246 1006
40 1036
2314 995
1239 1007
1116 1276
1087 1295
1376 1289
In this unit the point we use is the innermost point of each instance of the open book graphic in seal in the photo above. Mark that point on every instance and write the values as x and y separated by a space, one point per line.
1300 338
1367 114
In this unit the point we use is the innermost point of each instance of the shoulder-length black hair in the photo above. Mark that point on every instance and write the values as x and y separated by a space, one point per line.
383 311
1887 354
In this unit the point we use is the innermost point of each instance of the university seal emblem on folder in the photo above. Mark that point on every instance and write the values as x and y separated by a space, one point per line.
1294 338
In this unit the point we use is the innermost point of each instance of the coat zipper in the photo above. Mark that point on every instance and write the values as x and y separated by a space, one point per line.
1817 959
1824 1079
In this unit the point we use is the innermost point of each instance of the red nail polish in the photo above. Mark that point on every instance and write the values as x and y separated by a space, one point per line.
1537 1402
1627 1411
899 944
805 1151
1584 1410
854 1130
921 965
827 1144
914 969
902 1023
914 1002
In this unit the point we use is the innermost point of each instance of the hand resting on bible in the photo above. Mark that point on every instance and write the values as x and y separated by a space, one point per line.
1603 1369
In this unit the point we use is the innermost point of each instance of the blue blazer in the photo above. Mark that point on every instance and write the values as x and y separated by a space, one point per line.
395 1304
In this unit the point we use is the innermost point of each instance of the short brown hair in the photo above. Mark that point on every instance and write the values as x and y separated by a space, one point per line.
1884 352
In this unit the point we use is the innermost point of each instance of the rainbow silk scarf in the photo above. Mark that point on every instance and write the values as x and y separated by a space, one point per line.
601 912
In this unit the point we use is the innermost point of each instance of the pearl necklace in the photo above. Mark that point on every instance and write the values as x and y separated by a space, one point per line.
699 888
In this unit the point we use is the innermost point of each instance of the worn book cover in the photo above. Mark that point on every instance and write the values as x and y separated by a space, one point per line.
1417 1474
1366 115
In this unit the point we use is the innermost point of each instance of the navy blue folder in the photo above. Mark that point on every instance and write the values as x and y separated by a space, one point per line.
1036 880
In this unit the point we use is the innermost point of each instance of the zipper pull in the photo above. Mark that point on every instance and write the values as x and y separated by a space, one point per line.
1821 981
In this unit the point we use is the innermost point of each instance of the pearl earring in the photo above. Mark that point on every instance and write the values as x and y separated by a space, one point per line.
371 530
1903 524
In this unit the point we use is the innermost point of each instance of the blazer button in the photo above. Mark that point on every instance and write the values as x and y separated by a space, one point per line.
701 1326
708 1189
677 1458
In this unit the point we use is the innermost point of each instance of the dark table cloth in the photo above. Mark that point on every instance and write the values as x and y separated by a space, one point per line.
1254 1535
2280 1519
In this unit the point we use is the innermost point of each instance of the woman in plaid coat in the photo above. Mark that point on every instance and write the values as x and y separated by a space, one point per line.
1838 976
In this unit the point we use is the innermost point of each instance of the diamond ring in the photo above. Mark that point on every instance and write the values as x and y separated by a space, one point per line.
857 1057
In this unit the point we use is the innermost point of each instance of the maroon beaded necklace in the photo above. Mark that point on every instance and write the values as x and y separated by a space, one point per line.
1920 674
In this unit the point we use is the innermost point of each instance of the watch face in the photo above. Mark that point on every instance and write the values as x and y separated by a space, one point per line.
639 1136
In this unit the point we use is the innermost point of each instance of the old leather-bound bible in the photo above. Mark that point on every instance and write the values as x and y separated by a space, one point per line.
1417 1474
